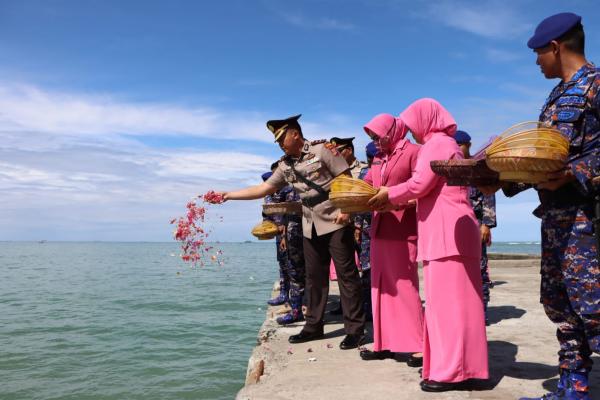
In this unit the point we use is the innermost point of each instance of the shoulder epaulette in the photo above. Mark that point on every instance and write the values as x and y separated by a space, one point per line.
331 147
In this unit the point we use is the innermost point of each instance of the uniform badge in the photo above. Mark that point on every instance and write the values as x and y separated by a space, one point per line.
313 160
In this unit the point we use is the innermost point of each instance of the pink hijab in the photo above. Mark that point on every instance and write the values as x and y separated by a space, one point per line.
386 125
426 117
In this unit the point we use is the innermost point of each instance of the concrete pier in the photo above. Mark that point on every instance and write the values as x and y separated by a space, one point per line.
522 353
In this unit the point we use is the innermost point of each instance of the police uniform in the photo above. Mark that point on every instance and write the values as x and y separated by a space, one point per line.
357 165
570 275
311 175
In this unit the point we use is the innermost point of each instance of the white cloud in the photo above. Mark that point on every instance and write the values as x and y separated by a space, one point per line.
321 23
80 192
491 19
27 108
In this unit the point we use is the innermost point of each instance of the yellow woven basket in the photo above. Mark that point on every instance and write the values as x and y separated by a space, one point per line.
527 152
351 195
265 230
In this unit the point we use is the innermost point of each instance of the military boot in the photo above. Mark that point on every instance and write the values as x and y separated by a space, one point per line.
295 315
571 386
283 295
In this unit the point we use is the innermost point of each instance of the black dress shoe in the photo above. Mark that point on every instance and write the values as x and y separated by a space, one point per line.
337 311
305 336
414 362
352 341
434 386
369 355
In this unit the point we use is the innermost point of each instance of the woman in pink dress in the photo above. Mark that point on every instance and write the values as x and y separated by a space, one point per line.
455 344
397 309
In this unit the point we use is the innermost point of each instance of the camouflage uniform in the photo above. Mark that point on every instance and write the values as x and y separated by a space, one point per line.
284 281
485 211
570 282
362 222
294 267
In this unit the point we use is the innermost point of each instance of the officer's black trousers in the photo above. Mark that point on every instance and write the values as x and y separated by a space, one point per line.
318 252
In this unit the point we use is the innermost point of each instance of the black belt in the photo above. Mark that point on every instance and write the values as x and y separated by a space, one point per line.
318 199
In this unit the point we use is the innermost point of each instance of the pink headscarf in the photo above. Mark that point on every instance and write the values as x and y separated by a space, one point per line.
386 125
426 117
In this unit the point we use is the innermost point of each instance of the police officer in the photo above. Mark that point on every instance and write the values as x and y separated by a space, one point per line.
346 149
310 167
485 212
570 277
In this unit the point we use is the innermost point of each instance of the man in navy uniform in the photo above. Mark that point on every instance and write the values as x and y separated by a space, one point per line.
310 167
485 212
570 277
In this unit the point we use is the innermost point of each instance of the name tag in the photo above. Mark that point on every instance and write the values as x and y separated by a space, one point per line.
312 161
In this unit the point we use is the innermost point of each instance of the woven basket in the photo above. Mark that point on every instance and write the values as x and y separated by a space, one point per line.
350 203
265 230
351 195
285 208
465 172
527 152
529 129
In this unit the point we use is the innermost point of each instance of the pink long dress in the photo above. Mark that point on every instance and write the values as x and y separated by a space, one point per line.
455 346
397 309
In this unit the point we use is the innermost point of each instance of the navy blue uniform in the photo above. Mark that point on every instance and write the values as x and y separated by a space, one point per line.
570 277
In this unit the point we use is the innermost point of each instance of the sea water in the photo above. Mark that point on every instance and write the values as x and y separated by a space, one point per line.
131 320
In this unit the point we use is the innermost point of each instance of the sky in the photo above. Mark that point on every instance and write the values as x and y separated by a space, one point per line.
114 114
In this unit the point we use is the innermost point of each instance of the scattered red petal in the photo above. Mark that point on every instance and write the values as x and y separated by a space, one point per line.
192 233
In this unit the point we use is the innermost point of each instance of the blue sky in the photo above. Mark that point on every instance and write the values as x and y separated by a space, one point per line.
114 113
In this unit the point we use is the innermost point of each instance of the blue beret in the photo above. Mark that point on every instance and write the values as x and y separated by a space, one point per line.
552 28
462 137
266 175
371 150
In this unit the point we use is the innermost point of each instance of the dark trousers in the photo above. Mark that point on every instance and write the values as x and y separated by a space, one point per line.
318 252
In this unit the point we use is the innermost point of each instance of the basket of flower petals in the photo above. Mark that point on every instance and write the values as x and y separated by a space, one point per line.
265 230
528 152
284 208
351 195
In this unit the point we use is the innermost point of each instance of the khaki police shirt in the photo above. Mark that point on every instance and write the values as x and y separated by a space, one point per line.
319 164
356 167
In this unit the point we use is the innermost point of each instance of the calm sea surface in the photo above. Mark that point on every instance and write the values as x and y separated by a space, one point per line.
117 321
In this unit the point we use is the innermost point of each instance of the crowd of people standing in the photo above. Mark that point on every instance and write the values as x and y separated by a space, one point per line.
416 216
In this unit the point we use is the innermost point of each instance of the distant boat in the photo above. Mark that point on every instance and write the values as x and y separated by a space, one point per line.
42 241
247 241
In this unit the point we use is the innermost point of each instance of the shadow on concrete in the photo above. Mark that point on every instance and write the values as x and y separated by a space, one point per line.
503 362
498 313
